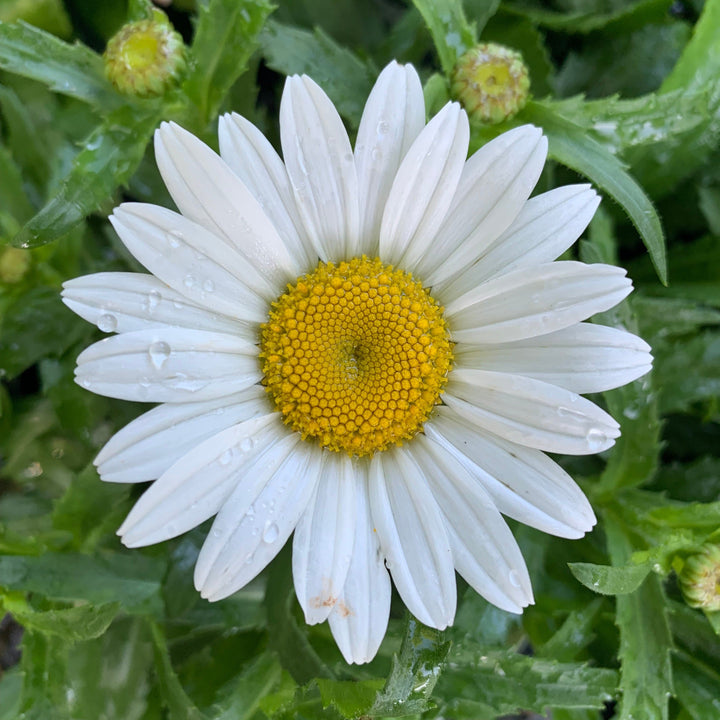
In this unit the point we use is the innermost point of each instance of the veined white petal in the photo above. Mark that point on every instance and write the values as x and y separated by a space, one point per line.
484 550
360 616
144 449
584 358
124 302
496 182
413 537
530 412
524 484
254 160
168 365
423 188
256 521
207 191
393 117
546 226
197 485
323 540
321 167
191 260
534 301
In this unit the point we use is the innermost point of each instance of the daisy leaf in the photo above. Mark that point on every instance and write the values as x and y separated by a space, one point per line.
609 580
571 146
452 34
72 70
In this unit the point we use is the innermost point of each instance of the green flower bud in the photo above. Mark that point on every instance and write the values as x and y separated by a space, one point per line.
700 579
491 82
146 57
14 263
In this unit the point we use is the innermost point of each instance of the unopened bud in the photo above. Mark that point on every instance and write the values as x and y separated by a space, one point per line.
146 57
700 579
491 82
14 263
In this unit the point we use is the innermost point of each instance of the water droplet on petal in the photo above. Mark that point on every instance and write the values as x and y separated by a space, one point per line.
107 323
596 439
159 352
382 127
514 578
270 533
208 285
154 298
174 238
247 444
226 457
189 281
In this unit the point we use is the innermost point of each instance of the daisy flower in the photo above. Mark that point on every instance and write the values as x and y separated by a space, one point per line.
370 348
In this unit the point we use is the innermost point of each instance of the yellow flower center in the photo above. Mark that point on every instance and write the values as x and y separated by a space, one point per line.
356 355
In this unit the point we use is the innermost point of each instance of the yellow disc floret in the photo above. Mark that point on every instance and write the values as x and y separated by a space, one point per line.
356 355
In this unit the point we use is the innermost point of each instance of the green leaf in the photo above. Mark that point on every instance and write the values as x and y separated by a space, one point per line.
610 580
691 515
341 73
352 699
179 705
452 34
415 671
131 580
11 688
35 324
111 154
255 682
645 640
574 148
72 70
697 686
481 683
13 200
574 635
83 622
226 36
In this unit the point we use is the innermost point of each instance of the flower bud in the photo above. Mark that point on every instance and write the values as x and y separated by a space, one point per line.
14 263
146 57
700 579
491 82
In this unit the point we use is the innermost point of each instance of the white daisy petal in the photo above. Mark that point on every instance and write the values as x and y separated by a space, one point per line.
545 228
254 160
484 550
393 117
124 302
360 616
255 523
423 188
191 260
524 484
168 365
323 539
584 358
413 537
534 301
321 168
196 486
530 412
207 191
150 444
495 183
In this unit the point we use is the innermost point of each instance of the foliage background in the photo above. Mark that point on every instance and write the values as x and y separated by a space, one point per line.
628 92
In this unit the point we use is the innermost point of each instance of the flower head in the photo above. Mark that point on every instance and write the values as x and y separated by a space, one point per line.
491 82
700 579
370 348
145 57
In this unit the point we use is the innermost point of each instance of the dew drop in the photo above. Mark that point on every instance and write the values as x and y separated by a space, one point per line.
247 444
153 298
189 281
270 533
514 578
226 458
382 127
174 238
249 558
208 285
595 439
158 353
375 154
107 323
